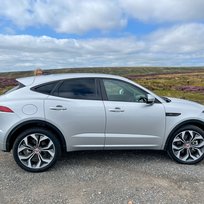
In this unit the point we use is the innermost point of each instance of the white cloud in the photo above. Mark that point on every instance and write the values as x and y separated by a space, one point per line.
186 38
65 16
176 46
80 16
164 10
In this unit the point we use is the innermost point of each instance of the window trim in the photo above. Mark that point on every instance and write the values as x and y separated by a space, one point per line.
104 94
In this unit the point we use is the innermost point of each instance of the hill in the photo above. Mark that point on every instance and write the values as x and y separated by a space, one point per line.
182 82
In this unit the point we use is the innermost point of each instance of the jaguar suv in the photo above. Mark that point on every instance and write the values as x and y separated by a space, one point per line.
45 116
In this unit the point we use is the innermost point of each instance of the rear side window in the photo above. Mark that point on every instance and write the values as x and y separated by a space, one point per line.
45 88
81 88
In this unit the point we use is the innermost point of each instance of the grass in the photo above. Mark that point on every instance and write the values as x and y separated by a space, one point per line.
163 81
170 85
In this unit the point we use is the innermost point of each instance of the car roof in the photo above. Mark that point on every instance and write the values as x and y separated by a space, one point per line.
37 80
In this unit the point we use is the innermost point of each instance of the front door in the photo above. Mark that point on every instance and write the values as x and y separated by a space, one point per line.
131 122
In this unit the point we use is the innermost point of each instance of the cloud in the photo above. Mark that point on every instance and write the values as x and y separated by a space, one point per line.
176 46
65 16
185 38
78 17
157 11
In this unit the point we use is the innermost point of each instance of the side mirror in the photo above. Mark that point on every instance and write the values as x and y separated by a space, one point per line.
150 99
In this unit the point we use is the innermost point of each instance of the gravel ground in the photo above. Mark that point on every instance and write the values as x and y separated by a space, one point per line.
104 177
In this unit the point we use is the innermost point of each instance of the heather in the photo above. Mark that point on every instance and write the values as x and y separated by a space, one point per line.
5 82
186 83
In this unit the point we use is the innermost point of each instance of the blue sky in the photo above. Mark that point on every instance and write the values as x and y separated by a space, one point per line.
100 33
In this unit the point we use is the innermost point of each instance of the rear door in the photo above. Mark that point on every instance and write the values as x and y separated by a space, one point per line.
76 108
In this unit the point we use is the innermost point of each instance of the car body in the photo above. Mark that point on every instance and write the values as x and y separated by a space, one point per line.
95 112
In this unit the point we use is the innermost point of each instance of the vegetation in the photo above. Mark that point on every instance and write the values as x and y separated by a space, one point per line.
187 83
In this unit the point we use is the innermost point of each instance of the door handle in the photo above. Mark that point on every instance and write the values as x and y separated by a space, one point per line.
58 108
116 109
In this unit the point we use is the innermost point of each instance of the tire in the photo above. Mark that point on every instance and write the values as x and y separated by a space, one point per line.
36 150
186 145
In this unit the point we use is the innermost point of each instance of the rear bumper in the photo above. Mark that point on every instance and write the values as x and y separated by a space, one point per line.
2 141
7 122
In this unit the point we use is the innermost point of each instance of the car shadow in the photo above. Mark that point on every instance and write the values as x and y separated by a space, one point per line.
113 156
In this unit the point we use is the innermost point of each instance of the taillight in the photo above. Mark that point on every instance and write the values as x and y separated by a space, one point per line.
5 109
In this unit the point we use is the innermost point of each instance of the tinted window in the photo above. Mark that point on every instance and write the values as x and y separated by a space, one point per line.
117 90
79 89
46 88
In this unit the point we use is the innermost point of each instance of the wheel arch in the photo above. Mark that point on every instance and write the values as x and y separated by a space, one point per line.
197 123
34 123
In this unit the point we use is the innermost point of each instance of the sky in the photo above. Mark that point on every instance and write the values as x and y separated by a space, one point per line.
100 33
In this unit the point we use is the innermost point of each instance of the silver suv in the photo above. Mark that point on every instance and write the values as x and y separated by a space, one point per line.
46 115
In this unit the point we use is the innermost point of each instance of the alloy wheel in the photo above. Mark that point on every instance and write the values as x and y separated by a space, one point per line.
36 151
188 146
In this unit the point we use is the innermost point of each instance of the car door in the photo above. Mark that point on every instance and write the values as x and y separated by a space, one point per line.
131 122
76 108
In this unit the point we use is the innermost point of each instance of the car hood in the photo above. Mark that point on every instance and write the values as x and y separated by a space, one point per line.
185 102
183 106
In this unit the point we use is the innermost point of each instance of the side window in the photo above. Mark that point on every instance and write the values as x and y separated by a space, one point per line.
117 90
81 88
45 88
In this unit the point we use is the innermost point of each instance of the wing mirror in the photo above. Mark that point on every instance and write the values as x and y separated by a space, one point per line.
150 99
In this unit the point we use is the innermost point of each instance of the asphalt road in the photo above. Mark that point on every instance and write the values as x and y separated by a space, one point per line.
104 177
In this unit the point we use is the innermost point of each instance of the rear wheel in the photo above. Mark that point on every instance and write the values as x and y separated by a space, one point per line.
36 150
186 146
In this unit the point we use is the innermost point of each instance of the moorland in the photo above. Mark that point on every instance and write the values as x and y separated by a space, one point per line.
180 82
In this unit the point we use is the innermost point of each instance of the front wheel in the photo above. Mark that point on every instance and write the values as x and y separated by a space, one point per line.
186 146
36 150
